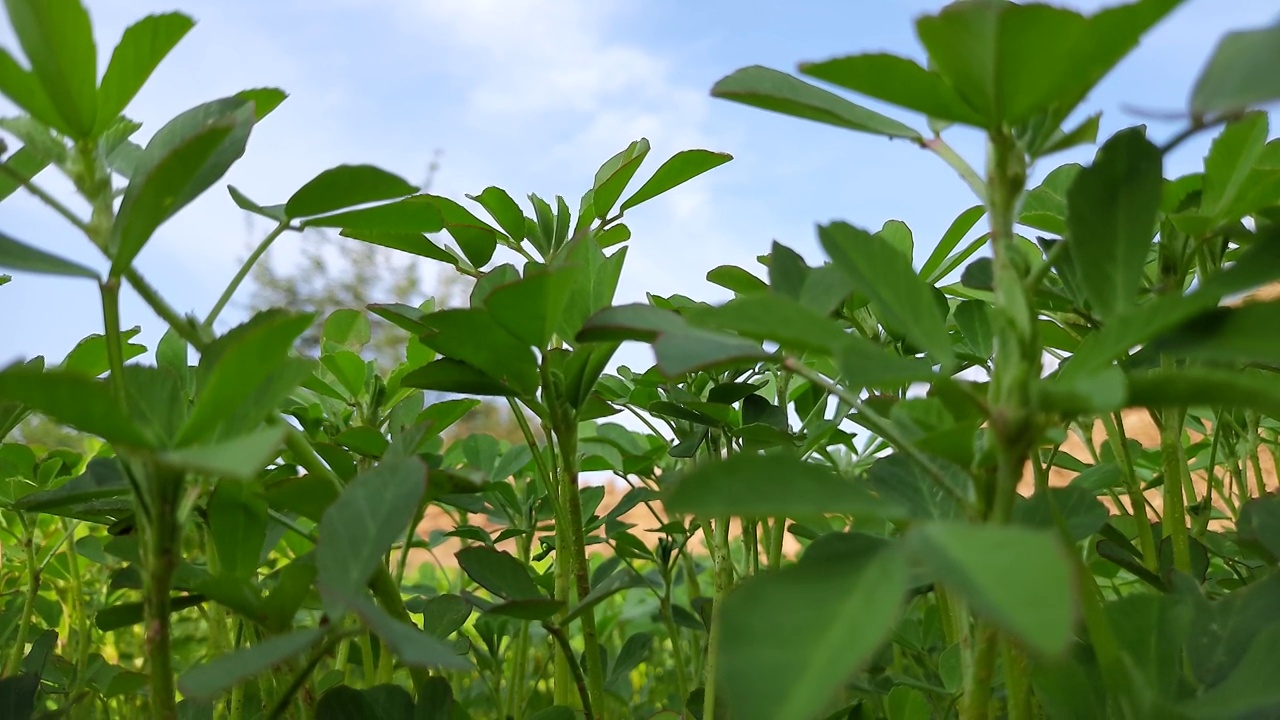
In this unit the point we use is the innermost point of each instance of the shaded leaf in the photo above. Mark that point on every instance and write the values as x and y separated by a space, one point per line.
208 680
792 638
358 529
1016 577
771 486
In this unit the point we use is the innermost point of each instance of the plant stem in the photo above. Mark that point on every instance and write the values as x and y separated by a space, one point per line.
247 265
718 538
948 155
566 650
570 493
186 328
1175 511
1116 436
1015 368
1017 682
162 536
14 662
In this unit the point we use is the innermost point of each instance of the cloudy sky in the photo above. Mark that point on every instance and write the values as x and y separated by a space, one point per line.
531 95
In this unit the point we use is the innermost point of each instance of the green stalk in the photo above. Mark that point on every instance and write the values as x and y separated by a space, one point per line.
1015 368
243 272
162 536
777 534
948 155
567 436
1017 675
718 539
1120 448
1175 511
14 662
668 620
84 629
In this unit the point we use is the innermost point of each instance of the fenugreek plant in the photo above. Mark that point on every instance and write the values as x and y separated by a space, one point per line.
863 489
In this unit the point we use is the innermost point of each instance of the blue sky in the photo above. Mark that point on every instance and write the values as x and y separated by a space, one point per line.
531 95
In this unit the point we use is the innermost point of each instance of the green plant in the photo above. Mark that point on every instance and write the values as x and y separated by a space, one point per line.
802 536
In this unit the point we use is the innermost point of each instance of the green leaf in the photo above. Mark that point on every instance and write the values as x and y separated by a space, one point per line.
689 350
1086 133
596 282
237 526
271 212
766 316
22 87
950 240
359 528
771 486
208 680
18 695
897 295
414 243
1231 80
87 404
1257 265
185 157
1241 334
102 479
443 615
414 214
633 321
1250 689
1197 387
906 483
678 170
345 186
142 47
455 376
89 356
898 81
1045 206
476 238
123 615
473 336
781 93
16 255
1016 577
57 38
793 638
264 100
736 279
412 646
380 702
346 327
1230 161
1011 62
530 308
503 209
498 572
612 177
1111 219
237 367
240 458
1259 523
20 167
1082 513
